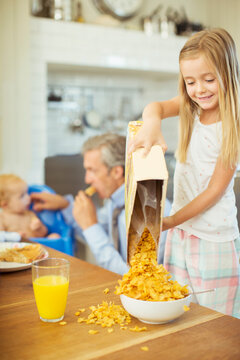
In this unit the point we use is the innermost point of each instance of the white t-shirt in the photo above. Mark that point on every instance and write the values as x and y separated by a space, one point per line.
219 222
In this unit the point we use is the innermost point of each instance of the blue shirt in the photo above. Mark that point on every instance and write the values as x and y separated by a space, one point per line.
99 236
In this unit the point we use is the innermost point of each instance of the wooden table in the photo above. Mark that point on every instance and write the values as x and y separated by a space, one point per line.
199 334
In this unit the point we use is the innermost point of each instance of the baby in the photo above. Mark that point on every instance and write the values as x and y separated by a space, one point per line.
15 215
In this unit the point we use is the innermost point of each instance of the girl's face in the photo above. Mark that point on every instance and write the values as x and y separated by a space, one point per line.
201 82
19 200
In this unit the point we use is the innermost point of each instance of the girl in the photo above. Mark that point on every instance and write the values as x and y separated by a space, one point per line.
203 244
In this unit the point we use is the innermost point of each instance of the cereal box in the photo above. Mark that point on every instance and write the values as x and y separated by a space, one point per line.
145 192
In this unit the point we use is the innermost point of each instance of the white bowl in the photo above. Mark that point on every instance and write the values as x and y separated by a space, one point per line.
155 312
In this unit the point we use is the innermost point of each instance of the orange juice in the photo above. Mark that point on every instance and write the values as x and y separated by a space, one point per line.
51 295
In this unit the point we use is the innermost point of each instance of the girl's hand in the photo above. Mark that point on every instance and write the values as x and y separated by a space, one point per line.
150 132
148 135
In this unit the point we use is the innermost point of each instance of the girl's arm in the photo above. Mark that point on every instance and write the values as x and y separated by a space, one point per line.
219 182
150 132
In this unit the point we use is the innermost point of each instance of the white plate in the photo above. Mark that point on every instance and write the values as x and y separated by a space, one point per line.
13 266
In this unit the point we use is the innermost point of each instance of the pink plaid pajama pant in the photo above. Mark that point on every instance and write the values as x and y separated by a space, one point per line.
204 265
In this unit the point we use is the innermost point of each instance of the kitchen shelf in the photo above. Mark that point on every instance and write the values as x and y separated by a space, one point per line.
92 46
62 105
83 88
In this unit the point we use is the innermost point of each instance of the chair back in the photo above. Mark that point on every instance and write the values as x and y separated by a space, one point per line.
55 223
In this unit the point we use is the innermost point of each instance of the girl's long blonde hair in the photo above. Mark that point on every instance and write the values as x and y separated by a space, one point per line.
219 49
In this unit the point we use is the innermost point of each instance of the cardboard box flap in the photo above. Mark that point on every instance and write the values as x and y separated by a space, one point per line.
148 167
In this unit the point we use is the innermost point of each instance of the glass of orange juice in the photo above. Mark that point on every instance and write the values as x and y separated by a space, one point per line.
50 279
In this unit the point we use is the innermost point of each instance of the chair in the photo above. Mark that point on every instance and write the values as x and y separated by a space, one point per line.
65 174
54 221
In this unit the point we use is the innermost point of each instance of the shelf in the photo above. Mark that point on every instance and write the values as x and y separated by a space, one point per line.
74 46
62 105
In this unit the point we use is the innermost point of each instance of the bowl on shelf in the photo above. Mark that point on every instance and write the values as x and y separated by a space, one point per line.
155 312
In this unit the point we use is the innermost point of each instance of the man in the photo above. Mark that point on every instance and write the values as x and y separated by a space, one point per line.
104 161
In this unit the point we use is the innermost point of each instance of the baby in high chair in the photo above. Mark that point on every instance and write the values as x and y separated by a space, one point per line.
15 215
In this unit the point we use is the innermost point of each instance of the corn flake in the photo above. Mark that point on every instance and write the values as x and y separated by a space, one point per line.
123 327
144 348
80 320
138 329
146 279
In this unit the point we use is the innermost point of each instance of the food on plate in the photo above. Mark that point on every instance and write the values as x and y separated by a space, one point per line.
24 255
146 280
90 191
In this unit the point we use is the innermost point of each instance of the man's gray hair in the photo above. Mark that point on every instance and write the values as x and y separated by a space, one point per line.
112 147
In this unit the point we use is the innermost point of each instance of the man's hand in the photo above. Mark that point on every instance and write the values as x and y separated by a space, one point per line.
84 211
47 201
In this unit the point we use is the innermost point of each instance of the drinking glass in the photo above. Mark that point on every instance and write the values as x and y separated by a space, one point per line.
50 278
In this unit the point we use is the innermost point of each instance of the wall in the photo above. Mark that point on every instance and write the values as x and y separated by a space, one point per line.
15 146
225 13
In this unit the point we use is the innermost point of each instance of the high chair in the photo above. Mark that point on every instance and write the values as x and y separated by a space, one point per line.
55 223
